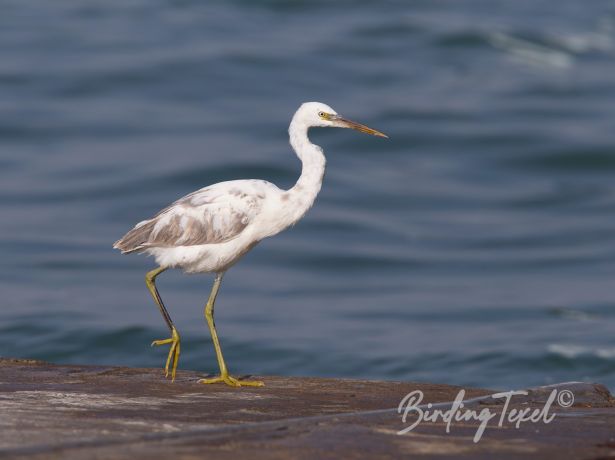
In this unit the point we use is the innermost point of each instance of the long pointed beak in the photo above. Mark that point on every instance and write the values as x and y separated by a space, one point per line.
344 123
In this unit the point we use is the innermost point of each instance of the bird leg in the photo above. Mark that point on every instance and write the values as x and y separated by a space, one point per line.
174 340
209 316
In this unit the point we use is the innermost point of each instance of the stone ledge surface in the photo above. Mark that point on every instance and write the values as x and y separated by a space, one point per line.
58 411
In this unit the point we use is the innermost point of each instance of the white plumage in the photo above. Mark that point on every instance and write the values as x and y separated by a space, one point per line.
209 230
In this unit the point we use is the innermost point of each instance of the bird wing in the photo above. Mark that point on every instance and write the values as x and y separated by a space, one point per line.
214 214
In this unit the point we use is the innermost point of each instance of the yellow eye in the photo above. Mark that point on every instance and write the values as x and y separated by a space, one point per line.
322 114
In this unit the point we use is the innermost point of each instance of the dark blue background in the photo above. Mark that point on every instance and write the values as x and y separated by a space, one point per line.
477 246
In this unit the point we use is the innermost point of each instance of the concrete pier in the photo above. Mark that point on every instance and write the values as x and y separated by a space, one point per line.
80 412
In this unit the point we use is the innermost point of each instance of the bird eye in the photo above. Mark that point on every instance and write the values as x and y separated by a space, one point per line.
321 114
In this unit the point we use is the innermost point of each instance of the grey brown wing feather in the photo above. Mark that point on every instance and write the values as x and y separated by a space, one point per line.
183 224
133 240
212 215
178 230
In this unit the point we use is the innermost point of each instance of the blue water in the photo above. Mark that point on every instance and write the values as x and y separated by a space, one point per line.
475 247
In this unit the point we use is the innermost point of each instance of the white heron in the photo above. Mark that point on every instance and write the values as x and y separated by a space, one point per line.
209 230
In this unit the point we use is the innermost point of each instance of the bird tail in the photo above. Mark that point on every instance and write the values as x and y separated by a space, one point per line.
135 240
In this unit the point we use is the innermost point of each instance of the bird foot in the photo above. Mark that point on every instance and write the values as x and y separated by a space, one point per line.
173 357
232 381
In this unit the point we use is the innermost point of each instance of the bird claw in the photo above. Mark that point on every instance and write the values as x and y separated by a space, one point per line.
173 357
232 381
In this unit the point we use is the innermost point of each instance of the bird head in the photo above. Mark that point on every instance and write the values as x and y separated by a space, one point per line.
321 115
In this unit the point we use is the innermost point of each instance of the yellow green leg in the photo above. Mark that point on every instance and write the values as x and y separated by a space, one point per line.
174 340
209 316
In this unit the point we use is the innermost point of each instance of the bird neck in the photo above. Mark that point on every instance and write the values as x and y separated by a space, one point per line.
313 161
